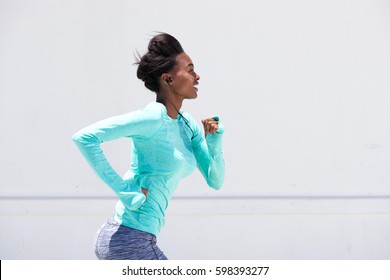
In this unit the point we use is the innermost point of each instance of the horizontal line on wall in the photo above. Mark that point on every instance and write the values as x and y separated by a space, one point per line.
232 197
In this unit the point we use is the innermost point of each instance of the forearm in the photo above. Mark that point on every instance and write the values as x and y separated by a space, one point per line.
216 168
89 146
210 159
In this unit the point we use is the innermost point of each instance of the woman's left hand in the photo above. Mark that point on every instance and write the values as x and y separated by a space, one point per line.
210 125
145 191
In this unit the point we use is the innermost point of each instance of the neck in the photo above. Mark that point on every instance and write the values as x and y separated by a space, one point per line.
171 104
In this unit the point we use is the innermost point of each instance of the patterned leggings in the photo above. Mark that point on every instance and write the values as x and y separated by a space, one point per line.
116 242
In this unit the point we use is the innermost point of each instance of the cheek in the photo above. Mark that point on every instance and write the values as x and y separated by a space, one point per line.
184 83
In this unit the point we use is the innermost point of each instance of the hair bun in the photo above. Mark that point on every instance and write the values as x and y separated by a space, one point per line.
160 58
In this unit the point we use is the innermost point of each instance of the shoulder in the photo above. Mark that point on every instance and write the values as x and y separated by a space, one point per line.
146 120
142 122
151 113
153 110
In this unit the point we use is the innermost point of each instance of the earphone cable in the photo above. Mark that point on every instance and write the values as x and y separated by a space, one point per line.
181 115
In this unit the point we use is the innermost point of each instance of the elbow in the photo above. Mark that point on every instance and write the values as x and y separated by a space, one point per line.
216 177
76 137
80 138
216 185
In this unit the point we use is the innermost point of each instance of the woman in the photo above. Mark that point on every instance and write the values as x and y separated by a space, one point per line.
167 145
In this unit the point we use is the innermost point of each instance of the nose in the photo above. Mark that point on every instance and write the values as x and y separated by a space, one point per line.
197 77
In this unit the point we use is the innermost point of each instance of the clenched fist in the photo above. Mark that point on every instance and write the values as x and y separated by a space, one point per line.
210 125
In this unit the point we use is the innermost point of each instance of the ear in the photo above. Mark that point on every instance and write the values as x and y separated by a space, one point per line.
166 78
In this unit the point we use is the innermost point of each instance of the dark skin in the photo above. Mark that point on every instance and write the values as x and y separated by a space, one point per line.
180 84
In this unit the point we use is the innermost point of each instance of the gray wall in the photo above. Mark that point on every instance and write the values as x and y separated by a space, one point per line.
302 87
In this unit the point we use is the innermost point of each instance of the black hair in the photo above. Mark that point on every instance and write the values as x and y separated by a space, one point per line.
160 58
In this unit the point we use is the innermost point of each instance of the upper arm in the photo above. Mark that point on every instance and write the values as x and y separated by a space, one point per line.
139 123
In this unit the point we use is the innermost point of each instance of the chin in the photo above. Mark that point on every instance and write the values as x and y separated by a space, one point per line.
193 95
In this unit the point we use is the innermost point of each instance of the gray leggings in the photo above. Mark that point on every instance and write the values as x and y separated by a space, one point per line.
116 242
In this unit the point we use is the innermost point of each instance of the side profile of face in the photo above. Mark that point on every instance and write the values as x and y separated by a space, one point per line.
184 79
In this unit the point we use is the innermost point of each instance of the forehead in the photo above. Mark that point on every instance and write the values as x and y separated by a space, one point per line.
183 60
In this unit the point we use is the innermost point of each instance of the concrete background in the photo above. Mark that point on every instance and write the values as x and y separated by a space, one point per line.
301 86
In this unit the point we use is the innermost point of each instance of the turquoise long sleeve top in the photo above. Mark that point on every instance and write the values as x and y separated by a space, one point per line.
164 150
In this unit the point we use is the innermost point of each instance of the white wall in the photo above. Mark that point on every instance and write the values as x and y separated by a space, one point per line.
301 86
